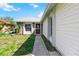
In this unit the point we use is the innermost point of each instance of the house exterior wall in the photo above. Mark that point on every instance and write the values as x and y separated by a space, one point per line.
65 28
52 38
45 28
22 29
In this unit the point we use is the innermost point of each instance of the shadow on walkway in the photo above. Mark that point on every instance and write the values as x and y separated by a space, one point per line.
27 47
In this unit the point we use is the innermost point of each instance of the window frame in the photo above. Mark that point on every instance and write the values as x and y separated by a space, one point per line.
51 26
27 28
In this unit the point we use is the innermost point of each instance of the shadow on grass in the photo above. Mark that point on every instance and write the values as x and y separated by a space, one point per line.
27 47
48 44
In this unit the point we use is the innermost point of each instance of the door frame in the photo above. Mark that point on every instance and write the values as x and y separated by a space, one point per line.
36 28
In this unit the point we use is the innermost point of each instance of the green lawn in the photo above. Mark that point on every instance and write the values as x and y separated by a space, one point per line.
16 44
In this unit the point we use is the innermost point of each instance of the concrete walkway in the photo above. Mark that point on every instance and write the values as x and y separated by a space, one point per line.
39 48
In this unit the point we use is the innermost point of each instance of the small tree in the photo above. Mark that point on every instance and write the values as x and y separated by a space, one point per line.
14 24
1 25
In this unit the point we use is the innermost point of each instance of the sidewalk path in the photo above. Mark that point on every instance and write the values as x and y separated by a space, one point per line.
39 48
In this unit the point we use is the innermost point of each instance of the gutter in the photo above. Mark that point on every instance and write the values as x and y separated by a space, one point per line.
49 7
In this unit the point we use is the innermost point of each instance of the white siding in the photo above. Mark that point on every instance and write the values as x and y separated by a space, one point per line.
67 29
45 28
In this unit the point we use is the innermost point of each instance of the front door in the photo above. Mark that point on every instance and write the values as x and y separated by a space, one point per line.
37 28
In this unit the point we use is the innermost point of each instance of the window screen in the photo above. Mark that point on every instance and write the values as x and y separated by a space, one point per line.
28 27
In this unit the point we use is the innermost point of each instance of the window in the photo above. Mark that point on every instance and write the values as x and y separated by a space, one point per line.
28 27
51 26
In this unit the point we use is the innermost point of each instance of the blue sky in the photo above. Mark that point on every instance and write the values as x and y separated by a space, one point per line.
20 10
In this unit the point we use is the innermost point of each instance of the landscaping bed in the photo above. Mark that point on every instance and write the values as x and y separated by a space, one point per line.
27 47
48 44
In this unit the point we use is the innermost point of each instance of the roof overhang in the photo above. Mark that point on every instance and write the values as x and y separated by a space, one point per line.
48 9
29 19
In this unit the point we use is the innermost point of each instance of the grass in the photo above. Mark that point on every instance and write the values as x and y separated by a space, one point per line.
27 47
48 45
10 45
3 33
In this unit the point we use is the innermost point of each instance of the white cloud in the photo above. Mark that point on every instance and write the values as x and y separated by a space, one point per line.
40 15
34 5
7 7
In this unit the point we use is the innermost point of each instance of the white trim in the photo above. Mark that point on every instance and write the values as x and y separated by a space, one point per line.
48 8
27 32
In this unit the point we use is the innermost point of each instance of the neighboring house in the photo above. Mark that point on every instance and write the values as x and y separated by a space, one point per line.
61 27
29 25
6 23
